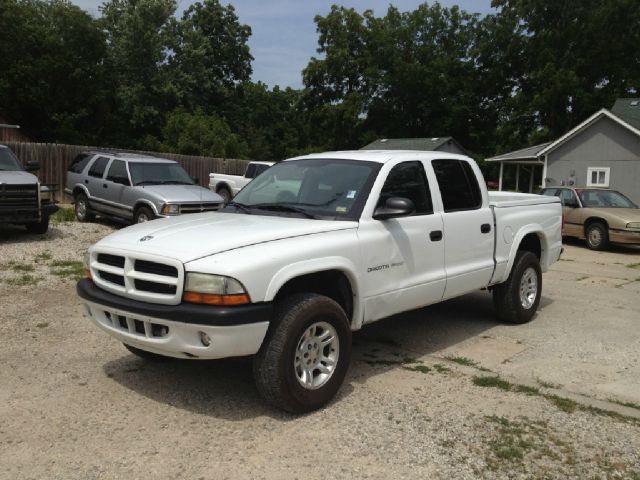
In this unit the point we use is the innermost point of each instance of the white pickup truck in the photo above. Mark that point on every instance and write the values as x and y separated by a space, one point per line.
316 247
227 186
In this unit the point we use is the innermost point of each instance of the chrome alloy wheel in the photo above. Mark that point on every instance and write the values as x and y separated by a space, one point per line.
317 355
142 217
81 208
528 288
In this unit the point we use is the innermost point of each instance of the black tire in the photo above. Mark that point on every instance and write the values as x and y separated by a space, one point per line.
39 228
83 212
597 236
274 367
154 357
507 298
143 214
225 194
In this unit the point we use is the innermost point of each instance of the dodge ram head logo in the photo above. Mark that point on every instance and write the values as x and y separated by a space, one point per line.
146 237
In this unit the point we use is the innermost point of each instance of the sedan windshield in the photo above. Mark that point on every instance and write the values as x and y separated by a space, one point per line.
604 199
143 173
8 161
314 188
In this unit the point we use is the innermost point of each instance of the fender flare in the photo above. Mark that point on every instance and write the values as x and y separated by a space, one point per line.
523 232
147 203
316 265
81 187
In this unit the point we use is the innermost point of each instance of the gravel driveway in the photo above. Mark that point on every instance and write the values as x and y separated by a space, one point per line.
441 392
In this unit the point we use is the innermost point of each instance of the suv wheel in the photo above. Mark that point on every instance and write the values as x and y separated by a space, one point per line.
305 355
143 214
517 299
83 213
597 236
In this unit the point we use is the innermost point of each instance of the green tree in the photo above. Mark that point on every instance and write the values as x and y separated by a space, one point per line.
51 64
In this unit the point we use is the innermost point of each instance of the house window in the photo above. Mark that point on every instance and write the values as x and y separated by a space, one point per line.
598 176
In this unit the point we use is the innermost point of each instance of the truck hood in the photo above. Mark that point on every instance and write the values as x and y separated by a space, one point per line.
17 177
181 193
189 237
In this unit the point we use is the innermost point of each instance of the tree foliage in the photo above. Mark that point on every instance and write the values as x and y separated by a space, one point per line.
139 76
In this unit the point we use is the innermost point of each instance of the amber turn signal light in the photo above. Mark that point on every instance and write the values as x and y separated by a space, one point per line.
211 299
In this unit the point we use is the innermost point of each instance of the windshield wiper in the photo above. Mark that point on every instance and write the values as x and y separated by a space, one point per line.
240 206
283 208
148 182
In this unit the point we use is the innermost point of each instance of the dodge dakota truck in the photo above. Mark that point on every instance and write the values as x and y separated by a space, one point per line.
227 186
355 237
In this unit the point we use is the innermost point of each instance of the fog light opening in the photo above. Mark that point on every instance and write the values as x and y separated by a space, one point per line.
204 339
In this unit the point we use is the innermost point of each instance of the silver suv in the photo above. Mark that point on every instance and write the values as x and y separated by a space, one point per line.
134 187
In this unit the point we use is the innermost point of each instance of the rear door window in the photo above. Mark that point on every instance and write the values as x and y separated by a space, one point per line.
458 185
408 180
251 171
80 162
98 167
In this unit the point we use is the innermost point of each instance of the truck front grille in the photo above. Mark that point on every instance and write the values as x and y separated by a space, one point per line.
199 207
19 201
138 278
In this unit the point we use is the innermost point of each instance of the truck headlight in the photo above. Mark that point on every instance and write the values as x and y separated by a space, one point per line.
634 225
214 290
171 209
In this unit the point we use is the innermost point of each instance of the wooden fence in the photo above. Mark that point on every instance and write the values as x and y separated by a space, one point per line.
55 158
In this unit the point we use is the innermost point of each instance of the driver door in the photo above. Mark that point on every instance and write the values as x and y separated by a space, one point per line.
403 258
572 213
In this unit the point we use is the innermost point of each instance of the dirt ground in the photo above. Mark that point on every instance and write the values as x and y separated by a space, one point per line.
441 392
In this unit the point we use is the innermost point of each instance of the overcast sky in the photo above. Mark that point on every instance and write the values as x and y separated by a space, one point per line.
284 36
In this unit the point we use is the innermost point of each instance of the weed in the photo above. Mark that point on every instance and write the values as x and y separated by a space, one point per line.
63 215
42 257
411 360
564 404
70 269
42 325
24 279
441 368
582 278
546 384
418 368
462 361
492 381
633 265
626 404
22 267
527 390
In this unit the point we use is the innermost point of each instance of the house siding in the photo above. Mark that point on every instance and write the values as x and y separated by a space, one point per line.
605 143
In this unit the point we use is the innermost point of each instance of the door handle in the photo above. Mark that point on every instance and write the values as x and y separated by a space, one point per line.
86 181
104 185
485 228
436 235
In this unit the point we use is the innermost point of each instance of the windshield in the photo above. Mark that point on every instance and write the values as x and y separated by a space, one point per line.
8 161
604 199
143 173
314 188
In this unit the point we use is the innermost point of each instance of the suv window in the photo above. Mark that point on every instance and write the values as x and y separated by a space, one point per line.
118 172
260 168
251 171
78 163
458 185
550 192
98 166
408 180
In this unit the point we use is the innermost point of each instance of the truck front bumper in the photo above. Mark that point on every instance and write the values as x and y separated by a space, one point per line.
181 331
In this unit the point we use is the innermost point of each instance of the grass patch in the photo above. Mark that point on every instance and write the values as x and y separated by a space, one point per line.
21 267
441 368
24 279
582 278
545 384
63 215
626 404
564 404
492 381
462 361
70 269
42 257
633 265
418 368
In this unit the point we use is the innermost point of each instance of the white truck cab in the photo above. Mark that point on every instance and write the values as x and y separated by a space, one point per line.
314 248
227 186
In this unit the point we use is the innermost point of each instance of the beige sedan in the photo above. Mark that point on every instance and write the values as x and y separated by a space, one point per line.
599 216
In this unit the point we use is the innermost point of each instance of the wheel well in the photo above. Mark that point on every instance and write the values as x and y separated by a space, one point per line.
331 283
531 243
220 186
591 220
139 205
77 191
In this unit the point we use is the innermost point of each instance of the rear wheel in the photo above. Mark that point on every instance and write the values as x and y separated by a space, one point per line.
225 194
517 299
305 356
597 236
83 212
143 214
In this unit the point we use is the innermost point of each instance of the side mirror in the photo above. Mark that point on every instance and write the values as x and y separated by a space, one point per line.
32 166
394 207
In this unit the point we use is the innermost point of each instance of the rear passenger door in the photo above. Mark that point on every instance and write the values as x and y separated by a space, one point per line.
572 212
468 227
115 185
93 182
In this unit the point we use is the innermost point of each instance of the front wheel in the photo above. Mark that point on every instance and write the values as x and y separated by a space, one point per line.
143 214
597 236
517 299
305 356
82 210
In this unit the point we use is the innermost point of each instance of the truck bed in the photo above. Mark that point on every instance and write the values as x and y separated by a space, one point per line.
514 199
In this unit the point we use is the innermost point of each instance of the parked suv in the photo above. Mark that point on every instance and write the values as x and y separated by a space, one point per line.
134 187
23 200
